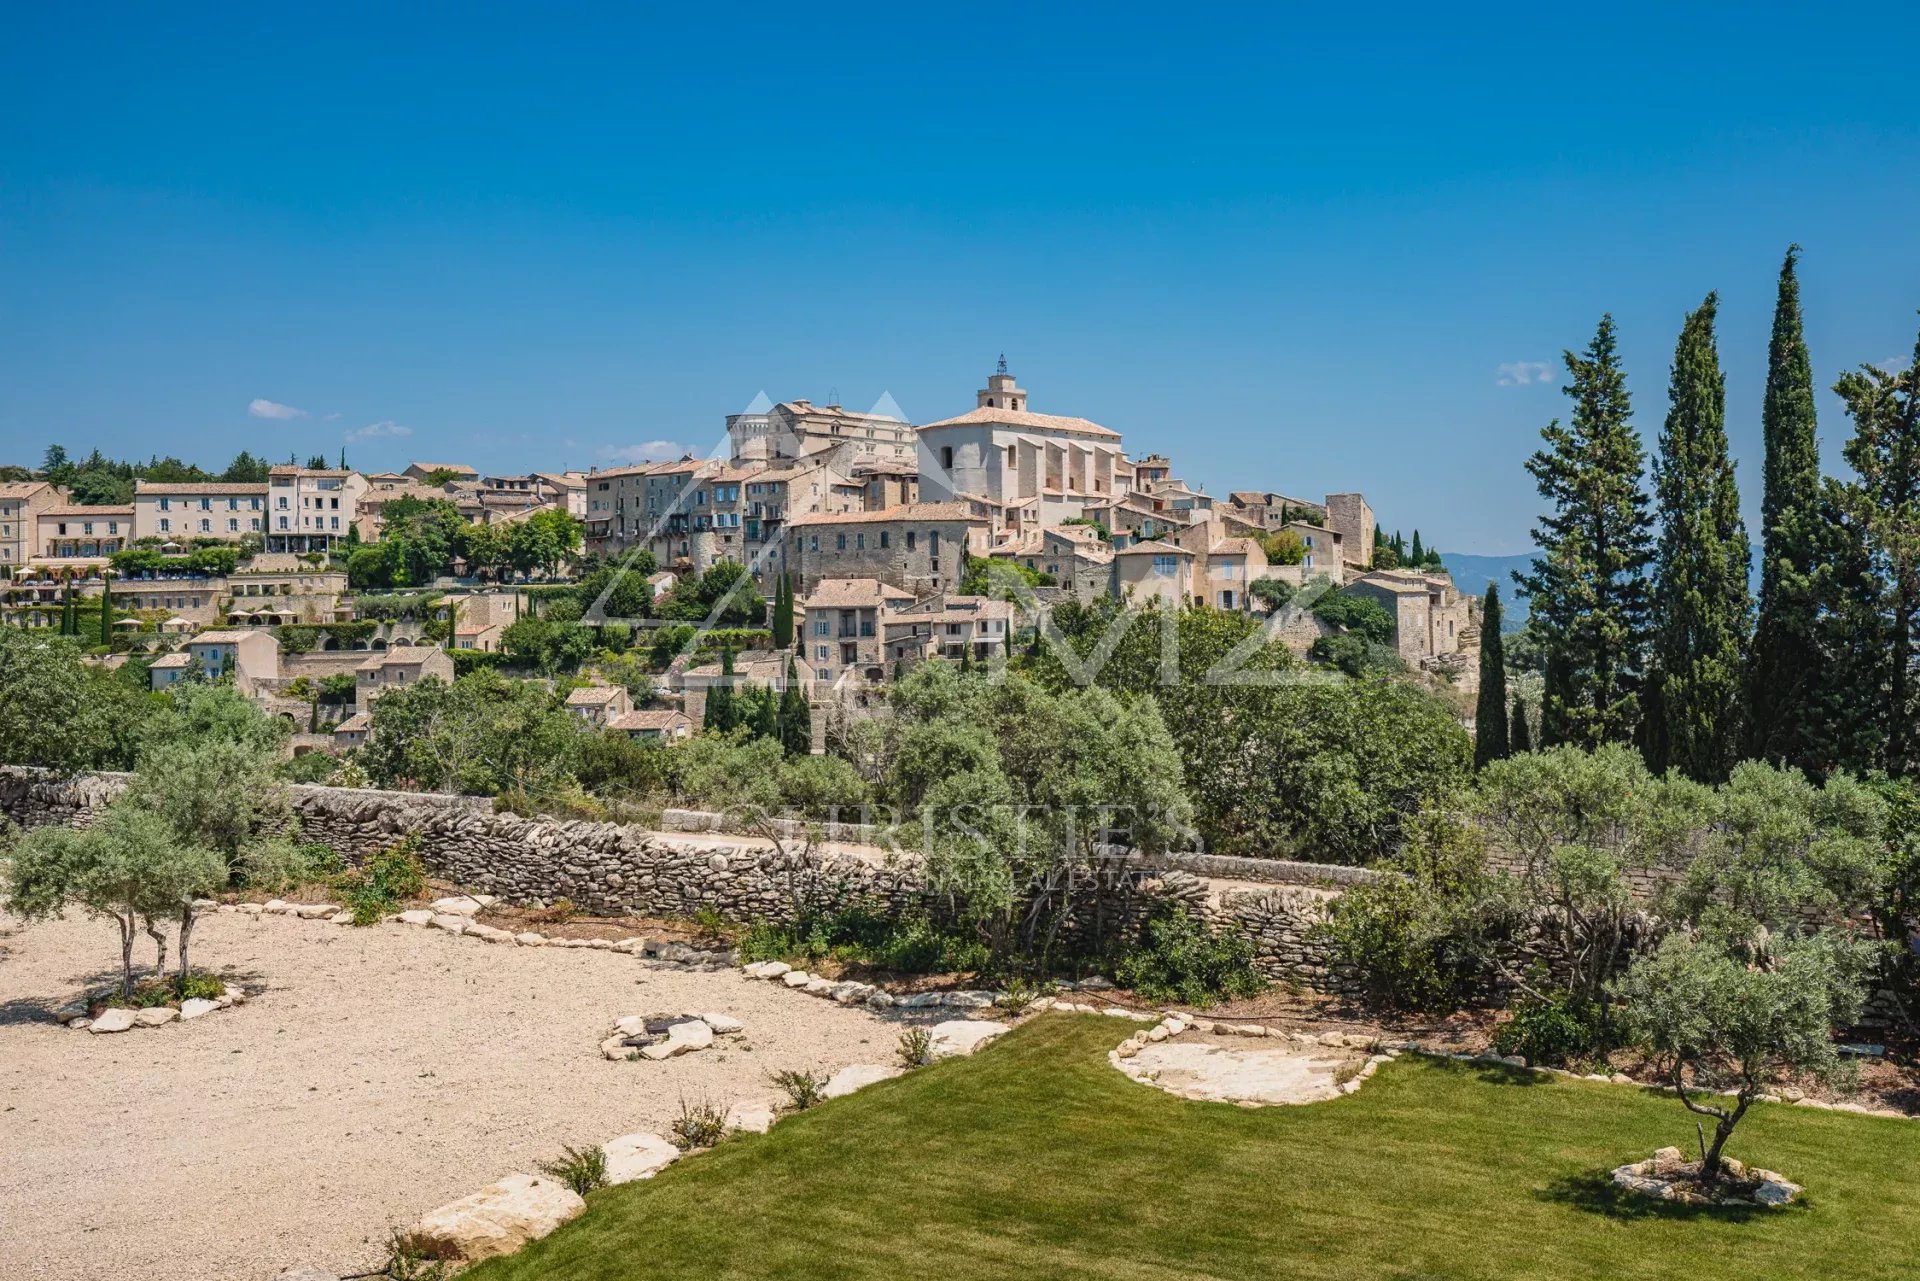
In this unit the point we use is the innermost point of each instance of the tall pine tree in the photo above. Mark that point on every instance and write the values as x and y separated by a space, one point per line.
721 713
1885 505
1588 587
1490 740
1784 670
1700 600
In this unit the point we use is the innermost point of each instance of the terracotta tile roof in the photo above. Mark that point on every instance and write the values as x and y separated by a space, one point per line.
852 593
168 661
78 509
985 416
22 488
1153 547
653 718
1235 547
292 469
198 487
401 656
594 695
910 512
226 638
359 721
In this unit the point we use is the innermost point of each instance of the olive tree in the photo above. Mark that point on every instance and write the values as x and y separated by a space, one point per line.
1577 824
1710 1007
129 865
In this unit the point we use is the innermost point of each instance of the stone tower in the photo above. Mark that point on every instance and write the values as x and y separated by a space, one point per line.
1000 391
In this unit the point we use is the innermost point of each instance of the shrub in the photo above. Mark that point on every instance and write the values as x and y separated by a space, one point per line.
699 1125
803 1089
582 1169
412 1258
1180 959
1361 615
1420 934
708 925
915 1048
304 863
387 879
1556 1030
159 990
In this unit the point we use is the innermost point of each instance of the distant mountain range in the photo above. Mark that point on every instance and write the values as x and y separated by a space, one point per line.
1471 574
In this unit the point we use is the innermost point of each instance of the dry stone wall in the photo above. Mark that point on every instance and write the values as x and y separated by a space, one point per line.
608 868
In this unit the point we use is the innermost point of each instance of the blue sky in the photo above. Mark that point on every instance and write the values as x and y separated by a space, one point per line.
1304 250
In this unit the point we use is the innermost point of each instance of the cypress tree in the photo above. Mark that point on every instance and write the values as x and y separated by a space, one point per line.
1419 552
783 613
1519 737
720 712
1588 587
106 609
765 713
1490 742
796 717
1700 575
69 620
1885 501
1784 668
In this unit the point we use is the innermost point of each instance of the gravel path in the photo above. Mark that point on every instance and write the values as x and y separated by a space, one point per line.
376 1074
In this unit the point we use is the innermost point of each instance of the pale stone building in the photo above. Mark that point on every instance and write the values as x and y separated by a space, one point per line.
950 626
1431 619
310 509
21 502
842 626
179 513
1154 570
599 705
798 429
68 535
396 668
250 658
1003 451
918 549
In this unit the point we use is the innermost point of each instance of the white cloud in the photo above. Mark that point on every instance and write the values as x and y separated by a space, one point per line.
385 428
261 408
647 451
1522 373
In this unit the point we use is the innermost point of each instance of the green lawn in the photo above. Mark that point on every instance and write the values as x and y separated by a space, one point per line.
1036 1159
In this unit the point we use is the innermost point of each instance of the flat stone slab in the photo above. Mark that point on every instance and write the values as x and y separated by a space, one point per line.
1272 1072
638 1156
459 905
963 1036
857 1076
114 1020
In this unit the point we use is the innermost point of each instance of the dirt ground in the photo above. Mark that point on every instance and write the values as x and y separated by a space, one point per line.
377 1073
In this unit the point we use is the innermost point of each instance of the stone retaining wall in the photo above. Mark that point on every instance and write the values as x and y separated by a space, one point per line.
607 868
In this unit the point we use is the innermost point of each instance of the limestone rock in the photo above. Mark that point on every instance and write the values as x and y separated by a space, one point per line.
963 1036
499 1218
314 911
637 1156
114 1020
723 1024
451 922
415 916
796 978
342 918
753 1118
194 1007
156 1015
488 933
528 938
276 906
458 905
306 1274
857 1076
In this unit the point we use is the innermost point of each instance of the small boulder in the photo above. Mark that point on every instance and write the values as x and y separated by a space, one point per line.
155 1015
458 905
314 911
415 916
114 1020
499 1218
276 906
796 978
194 1007
451 922
723 1024
342 917
963 1036
752 1118
637 1156
857 1076
528 938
